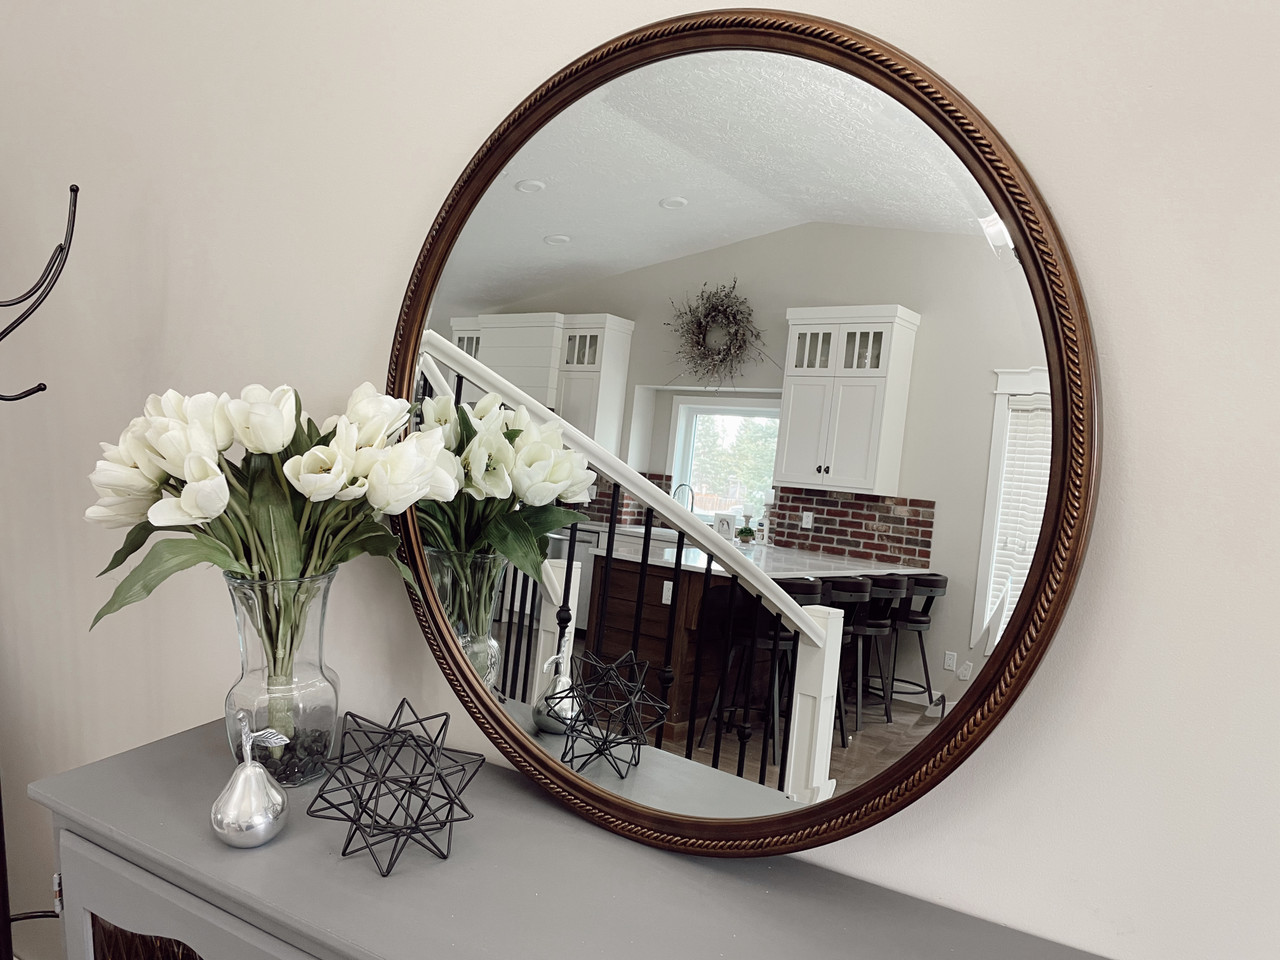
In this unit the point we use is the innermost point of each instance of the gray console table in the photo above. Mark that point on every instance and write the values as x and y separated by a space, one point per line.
526 879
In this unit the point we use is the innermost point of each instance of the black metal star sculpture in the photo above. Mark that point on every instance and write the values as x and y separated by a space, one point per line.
396 783
610 719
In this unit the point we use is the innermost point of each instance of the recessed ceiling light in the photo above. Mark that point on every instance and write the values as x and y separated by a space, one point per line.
556 239
673 203
530 186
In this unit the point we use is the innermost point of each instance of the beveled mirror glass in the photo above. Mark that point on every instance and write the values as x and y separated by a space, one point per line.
817 167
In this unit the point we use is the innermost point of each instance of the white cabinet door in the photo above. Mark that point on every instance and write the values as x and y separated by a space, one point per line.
811 350
863 350
579 396
802 431
856 413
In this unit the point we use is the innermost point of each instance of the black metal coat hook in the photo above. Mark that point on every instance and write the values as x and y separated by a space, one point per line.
52 270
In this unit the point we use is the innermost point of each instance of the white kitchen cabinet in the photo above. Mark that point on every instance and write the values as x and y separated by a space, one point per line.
576 364
844 397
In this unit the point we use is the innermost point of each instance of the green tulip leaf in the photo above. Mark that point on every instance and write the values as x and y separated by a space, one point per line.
271 514
369 537
549 518
133 541
466 430
510 535
162 561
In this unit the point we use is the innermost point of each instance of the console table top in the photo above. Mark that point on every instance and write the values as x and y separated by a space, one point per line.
526 878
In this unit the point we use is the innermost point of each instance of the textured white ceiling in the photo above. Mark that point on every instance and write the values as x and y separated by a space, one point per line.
756 142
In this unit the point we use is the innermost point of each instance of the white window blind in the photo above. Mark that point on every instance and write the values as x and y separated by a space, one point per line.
1024 483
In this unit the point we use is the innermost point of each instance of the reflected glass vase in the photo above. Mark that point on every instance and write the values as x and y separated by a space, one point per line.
284 682
468 585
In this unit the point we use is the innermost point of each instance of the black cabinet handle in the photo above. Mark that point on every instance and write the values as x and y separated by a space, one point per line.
826 469
818 468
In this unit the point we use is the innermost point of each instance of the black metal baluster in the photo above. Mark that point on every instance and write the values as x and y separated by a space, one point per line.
524 608
644 575
531 640
787 686
749 669
510 588
697 668
668 675
608 566
724 675
457 390
771 728
565 614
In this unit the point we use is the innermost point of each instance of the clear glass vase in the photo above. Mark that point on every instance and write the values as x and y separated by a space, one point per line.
468 585
284 682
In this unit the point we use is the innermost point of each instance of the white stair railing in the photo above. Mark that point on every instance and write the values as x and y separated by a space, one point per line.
818 627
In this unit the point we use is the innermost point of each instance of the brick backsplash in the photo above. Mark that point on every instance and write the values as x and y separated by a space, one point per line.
884 529
629 511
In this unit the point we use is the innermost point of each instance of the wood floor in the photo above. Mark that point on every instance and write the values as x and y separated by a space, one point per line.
876 747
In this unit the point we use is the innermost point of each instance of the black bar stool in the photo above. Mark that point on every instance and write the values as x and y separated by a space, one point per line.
756 635
930 586
852 595
888 590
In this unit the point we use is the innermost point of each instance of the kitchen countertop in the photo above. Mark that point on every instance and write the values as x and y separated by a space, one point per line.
778 563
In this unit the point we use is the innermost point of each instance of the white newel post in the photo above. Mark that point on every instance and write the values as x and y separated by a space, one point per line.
813 710
553 572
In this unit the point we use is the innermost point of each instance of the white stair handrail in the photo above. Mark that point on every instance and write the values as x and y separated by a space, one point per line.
775 598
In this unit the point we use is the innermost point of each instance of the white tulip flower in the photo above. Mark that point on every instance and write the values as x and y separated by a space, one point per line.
415 469
376 415
133 450
112 479
121 511
204 497
172 442
207 409
487 404
319 474
264 421
540 474
442 412
487 463
577 490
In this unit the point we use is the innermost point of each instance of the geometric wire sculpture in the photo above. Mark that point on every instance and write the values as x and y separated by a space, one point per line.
396 783
610 722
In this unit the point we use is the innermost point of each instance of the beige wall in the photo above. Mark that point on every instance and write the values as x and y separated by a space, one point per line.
257 179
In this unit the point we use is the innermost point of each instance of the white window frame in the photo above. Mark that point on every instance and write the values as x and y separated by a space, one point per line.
1009 383
685 408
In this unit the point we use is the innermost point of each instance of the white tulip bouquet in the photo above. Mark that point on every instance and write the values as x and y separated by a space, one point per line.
511 472
301 500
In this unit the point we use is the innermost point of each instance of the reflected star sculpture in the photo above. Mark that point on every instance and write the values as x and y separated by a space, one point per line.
612 702
396 783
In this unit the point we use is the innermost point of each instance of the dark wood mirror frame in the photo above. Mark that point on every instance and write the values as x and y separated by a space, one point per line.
1076 425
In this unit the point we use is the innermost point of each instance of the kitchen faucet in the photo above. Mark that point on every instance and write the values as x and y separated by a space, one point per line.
683 486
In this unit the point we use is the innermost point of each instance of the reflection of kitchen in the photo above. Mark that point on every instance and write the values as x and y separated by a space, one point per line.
882 456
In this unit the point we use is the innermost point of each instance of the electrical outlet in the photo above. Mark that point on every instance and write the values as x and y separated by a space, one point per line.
806 521
666 592
966 670
949 660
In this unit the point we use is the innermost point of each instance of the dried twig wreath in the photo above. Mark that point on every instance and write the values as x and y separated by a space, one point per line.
717 337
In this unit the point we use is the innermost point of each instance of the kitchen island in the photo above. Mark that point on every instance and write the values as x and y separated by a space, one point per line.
617 577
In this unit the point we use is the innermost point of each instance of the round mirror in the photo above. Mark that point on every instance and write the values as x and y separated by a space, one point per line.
828 179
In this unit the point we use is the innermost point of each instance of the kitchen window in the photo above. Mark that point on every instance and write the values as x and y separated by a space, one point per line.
724 448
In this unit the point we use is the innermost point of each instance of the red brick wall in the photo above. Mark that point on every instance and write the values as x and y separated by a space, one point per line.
629 510
884 529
